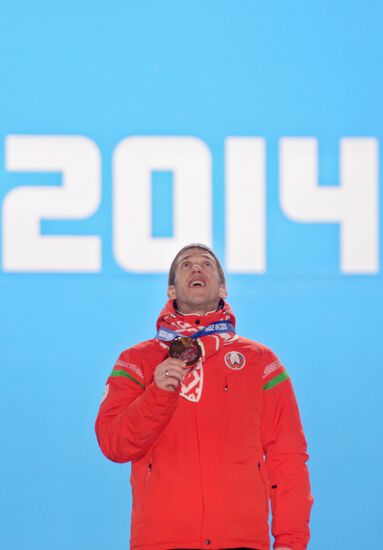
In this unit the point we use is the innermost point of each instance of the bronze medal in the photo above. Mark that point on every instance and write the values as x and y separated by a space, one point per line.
186 349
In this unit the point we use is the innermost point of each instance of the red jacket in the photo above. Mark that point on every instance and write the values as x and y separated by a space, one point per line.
207 460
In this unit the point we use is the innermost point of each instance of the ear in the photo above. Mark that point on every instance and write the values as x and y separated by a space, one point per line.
222 291
172 292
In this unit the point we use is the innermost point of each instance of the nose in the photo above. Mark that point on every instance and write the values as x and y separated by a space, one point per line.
196 268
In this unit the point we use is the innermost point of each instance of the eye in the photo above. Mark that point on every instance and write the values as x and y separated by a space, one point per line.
185 263
207 263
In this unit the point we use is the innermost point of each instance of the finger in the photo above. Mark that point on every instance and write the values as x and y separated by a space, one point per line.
172 383
177 362
173 370
172 373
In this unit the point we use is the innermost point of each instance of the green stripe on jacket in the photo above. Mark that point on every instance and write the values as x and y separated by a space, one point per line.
127 375
275 381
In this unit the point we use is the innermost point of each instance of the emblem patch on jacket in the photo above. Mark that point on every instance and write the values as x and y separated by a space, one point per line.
235 360
191 387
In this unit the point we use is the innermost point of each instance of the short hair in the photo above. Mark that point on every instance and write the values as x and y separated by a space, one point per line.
172 270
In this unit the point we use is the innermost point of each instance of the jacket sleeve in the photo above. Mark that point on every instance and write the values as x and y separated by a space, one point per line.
285 450
132 415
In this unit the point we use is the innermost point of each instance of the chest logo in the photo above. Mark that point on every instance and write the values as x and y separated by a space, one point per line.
235 360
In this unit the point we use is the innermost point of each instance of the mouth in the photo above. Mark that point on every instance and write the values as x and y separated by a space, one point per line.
197 283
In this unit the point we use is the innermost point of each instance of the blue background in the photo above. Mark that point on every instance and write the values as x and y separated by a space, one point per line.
210 69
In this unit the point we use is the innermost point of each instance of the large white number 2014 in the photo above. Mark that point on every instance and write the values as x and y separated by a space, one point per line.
24 248
353 204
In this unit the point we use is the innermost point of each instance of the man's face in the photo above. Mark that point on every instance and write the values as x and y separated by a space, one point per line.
197 287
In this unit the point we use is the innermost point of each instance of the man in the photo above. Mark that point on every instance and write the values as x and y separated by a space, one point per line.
213 431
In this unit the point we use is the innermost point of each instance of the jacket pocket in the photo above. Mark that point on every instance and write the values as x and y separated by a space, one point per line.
273 498
146 484
265 483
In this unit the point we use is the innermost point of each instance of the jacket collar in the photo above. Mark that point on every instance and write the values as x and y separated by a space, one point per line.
189 323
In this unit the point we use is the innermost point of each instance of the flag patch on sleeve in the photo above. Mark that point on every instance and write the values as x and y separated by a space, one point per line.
129 370
273 374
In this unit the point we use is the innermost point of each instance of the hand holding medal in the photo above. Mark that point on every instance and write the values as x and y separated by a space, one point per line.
170 373
183 353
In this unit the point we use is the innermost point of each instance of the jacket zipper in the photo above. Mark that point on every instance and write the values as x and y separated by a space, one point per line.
200 476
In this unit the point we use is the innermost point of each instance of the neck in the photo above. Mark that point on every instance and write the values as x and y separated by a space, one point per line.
201 309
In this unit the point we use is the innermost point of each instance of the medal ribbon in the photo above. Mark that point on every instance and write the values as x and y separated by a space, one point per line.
167 335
